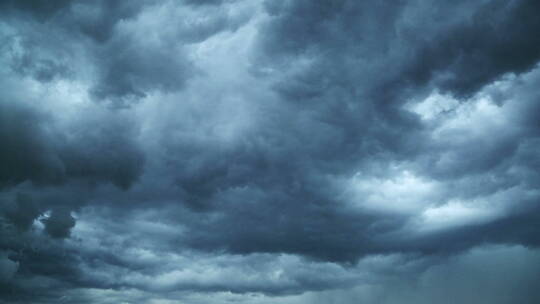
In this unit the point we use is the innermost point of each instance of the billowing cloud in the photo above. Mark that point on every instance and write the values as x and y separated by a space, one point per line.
269 151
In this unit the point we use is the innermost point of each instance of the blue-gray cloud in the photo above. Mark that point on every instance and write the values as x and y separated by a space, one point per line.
181 150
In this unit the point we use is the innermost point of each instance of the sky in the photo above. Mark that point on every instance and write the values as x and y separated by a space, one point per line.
276 151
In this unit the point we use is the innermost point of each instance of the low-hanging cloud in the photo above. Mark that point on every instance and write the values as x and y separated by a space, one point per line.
259 151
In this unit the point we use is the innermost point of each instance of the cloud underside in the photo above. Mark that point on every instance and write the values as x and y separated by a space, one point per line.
260 151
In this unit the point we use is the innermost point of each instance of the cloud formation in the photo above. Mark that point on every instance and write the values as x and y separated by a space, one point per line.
260 151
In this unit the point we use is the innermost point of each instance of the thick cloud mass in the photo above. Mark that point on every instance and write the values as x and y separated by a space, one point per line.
289 151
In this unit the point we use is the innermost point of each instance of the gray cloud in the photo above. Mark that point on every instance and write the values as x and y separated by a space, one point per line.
263 151
59 223
38 153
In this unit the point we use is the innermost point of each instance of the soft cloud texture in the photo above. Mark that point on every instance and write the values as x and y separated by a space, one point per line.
269 151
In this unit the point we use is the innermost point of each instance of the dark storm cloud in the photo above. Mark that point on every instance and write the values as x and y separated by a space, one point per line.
27 154
47 172
97 19
283 180
59 223
130 74
281 153
460 52
22 212
35 152
278 179
497 39
40 9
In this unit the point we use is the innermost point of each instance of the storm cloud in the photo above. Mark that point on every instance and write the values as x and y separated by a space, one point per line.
285 151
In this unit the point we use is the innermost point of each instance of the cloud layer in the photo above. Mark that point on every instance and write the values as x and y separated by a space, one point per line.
269 151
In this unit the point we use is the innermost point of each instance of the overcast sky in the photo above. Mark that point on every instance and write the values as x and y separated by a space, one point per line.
278 151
